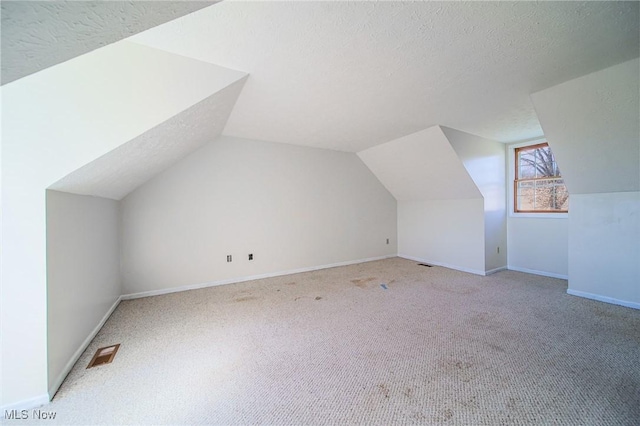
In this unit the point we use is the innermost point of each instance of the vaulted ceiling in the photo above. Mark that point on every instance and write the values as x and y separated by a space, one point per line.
339 75
352 75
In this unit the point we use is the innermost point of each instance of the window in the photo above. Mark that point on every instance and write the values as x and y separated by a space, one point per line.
538 184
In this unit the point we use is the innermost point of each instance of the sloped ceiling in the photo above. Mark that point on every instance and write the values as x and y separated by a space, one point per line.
484 160
421 166
39 34
117 173
160 106
592 124
352 75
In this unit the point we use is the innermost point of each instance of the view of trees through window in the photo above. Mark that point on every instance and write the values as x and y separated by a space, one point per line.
538 186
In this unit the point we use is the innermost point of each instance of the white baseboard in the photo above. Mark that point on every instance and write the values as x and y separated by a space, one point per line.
26 404
605 299
444 265
494 270
534 272
76 355
249 278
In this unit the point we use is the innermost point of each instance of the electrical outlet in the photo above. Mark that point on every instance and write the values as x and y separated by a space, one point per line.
251 256
229 258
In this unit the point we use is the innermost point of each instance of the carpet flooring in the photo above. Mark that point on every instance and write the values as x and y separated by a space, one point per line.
436 346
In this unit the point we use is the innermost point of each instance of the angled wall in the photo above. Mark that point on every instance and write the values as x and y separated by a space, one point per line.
291 207
592 123
485 160
440 209
83 274
53 123
421 166
109 177
123 169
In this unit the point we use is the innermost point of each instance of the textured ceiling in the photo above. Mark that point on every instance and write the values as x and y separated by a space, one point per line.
351 75
421 166
602 111
122 170
39 34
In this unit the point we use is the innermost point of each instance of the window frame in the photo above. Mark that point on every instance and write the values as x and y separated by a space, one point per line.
512 186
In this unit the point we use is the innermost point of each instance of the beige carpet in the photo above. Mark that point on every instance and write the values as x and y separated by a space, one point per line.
333 347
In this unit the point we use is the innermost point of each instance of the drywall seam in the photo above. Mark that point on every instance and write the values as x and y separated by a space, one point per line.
535 272
76 355
444 265
605 299
248 278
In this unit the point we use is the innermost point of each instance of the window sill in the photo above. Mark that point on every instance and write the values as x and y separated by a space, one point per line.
540 215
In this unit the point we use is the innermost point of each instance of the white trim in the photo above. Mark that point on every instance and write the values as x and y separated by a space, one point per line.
539 215
511 147
535 272
444 265
249 278
494 270
605 299
526 142
26 404
76 355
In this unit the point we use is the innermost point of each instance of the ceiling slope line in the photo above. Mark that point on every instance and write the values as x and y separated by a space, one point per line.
39 35
421 166
124 169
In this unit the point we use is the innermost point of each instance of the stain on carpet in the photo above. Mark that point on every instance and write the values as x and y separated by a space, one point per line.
362 283
457 369
447 414
384 390
496 347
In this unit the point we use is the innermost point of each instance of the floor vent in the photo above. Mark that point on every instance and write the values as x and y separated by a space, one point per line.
424 264
104 355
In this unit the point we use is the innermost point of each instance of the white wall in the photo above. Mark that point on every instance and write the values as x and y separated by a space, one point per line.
292 207
592 124
443 232
604 247
54 122
440 208
539 245
83 274
484 160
